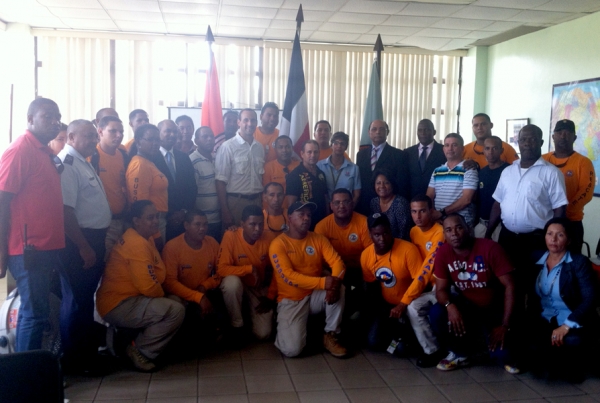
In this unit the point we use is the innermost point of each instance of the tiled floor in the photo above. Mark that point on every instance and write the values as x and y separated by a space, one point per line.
260 374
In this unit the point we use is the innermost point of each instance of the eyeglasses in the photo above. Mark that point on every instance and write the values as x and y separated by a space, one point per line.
338 203
57 163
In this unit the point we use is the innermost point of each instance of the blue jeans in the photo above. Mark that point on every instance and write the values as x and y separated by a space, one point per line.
33 284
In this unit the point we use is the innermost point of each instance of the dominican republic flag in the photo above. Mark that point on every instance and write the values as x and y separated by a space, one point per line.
374 106
212 113
294 122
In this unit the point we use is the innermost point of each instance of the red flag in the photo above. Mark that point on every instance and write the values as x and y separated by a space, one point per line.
212 113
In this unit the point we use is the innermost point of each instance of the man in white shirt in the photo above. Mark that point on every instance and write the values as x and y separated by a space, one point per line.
239 167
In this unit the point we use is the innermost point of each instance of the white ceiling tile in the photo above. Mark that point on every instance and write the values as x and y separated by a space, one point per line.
574 6
376 7
568 17
289 24
456 44
442 33
71 3
501 26
189 29
398 31
386 39
284 34
248 12
87 23
254 3
358 18
411 21
131 5
189 8
486 13
333 37
431 10
350 28
522 4
63 12
137 26
191 1
327 5
135 16
425 43
45 22
243 22
201 20
538 16
462 23
309 16
22 11
242 32
479 34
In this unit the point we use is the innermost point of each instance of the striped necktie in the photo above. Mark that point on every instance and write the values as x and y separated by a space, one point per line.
374 158
170 164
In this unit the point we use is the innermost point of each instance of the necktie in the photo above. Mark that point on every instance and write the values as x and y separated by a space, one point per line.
423 158
170 163
374 158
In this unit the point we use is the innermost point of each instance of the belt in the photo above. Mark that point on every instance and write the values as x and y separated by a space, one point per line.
243 196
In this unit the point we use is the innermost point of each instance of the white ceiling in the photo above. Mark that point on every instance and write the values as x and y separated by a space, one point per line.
435 24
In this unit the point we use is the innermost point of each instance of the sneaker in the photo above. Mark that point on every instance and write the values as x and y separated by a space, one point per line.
139 360
331 344
452 362
512 369
430 360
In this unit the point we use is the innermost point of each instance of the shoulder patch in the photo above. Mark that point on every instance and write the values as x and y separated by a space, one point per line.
69 159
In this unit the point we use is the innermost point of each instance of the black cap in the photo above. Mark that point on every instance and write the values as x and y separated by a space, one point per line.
565 124
377 219
297 205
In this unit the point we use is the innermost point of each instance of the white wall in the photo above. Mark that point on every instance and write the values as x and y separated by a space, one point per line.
521 73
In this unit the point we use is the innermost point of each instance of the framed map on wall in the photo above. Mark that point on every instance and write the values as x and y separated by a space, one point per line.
579 101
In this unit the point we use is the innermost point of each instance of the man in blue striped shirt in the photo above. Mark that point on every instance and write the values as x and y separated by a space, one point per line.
452 187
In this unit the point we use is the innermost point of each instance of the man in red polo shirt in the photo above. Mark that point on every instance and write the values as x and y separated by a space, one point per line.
31 218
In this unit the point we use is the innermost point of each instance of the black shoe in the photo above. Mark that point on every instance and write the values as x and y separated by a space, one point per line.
430 360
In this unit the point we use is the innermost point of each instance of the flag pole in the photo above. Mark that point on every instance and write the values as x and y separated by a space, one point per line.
378 48
299 20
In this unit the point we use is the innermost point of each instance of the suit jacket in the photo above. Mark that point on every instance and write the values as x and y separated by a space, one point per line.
182 190
419 180
392 160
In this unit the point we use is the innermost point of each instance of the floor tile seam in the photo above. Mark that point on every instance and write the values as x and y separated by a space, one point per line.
482 384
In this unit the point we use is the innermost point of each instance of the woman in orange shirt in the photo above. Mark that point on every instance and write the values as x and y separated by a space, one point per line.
144 179
131 293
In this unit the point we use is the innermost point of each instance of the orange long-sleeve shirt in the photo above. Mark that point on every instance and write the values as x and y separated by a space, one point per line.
396 270
146 182
298 264
274 225
133 269
580 180
112 175
348 241
473 151
268 142
428 243
236 256
188 268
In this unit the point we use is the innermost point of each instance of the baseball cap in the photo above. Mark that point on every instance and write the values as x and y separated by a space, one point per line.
565 124
297 205
376 219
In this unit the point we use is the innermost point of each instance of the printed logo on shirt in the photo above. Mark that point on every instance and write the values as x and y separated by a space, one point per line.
569 173
386 276
428 245
310 250
480 185
263 257
353 237
151 273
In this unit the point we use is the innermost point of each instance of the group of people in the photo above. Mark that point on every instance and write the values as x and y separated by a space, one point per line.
439 248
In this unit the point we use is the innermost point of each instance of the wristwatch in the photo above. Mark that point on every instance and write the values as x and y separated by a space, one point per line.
447 303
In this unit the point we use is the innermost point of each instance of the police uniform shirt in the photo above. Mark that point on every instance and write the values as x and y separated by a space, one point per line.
83 191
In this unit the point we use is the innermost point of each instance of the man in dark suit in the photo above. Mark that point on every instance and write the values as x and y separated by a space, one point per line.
423 158
178 169
381 155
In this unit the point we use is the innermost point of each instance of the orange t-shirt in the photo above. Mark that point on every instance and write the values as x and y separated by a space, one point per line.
112 175
580 180
236 256
268 142
298 264
274 172
428 243
127 146
146 182
189 268
396 270
474 152
348 241
274 225
134 268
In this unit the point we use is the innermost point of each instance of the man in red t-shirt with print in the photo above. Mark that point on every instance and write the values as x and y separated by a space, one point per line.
483 306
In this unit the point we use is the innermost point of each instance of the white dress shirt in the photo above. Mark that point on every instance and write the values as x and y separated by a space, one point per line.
241 166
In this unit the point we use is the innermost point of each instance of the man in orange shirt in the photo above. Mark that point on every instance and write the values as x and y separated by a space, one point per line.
191 263
396 264
245 268
297 257
110 163
277 170
137 118
482 129
276 219
580 177
267 132
428 236
347 232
